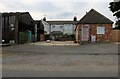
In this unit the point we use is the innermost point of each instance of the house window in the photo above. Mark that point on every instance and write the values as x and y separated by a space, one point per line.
66 27
61 27
53 27
100 30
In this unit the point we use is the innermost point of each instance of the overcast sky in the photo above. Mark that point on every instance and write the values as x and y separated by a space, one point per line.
56 9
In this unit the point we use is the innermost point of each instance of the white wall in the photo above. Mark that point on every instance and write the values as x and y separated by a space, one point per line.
68 29
57 28
46 26
65 28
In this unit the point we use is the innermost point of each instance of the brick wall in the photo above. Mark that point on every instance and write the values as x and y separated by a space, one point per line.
107 37
42 37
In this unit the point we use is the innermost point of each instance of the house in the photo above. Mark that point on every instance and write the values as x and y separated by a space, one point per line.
94 27
58 29
17 27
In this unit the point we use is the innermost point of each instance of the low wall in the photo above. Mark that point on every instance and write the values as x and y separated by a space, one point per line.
116 35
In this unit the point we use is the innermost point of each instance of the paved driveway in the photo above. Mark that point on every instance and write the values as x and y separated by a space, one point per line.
88 60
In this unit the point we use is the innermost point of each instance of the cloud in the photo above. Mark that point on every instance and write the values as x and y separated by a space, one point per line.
56 9
32 1
38 16
2 7
12 7
62 15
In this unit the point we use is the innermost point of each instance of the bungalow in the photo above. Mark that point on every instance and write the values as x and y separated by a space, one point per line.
94 27
17 27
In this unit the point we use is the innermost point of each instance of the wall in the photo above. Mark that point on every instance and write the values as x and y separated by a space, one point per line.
77 34
69 29
8 28
116 36
42 37
57 28
46 26
107 37
65 28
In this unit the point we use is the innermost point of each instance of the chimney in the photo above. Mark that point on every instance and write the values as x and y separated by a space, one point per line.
75 18
44 19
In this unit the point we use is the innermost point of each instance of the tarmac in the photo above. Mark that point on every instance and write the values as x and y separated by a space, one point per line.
40 60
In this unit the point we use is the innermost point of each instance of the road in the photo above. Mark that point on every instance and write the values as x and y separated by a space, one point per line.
89 60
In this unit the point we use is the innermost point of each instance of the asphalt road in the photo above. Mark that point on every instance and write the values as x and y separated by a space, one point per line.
89 60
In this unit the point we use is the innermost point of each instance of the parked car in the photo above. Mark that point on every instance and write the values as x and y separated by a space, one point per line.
48 41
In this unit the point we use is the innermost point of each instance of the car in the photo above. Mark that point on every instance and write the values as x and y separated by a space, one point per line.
7 42
48 41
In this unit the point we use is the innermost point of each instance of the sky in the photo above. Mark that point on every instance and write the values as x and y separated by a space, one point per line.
57 9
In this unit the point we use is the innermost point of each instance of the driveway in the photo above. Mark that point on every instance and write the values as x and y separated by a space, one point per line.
34 60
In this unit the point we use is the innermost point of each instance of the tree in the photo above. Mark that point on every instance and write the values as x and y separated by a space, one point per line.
115 8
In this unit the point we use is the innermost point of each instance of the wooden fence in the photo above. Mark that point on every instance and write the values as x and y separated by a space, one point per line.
116 35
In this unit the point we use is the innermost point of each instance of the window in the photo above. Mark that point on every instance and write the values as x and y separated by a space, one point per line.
67 26
53 27
100 30
61 27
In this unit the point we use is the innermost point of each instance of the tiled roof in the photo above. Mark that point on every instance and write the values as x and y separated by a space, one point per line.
94 17
62 22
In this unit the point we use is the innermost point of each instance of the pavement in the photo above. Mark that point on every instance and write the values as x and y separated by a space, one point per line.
58 43
34 60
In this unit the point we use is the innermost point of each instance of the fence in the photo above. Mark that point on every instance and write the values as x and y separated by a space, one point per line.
116 36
